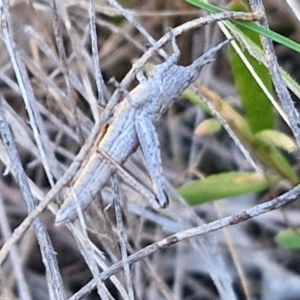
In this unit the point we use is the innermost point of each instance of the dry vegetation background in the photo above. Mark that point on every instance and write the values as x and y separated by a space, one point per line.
242 262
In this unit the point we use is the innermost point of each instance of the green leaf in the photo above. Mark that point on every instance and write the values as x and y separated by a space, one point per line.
263 148
253 26
289 238
279 139
225 185
208 127
259 111
268 152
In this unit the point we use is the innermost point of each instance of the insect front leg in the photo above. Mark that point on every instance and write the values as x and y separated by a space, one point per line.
150 147
172 60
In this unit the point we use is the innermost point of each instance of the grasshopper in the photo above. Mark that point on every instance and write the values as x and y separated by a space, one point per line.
132 126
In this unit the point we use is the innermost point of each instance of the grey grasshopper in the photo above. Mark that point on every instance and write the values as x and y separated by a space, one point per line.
132 126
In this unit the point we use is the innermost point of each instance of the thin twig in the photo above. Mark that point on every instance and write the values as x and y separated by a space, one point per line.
62 54
95 53
122 240
47 155
49 259
15 258
213 109
86 250
98 256
280 86
62 182
78 56
137 25
235 219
